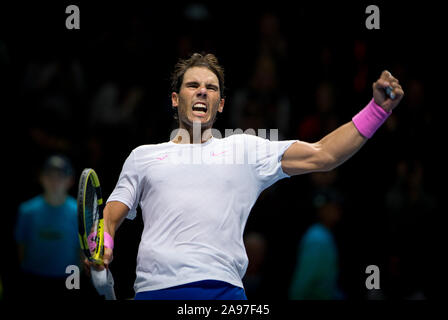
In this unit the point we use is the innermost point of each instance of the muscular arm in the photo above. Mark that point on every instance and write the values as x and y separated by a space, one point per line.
114 213
342 143
324 155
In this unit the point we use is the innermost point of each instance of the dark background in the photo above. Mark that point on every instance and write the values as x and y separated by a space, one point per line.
52 78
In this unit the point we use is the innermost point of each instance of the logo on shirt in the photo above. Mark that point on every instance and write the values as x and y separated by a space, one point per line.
162 158
218 154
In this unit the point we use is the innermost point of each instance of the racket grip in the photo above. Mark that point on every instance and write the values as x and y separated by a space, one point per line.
104 283
109 293
389 92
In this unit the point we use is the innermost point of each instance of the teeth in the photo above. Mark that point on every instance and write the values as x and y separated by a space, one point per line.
200 107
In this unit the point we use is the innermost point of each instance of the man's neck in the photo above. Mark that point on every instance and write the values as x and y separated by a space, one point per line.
194 134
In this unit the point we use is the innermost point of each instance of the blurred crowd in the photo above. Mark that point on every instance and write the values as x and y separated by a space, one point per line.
106 94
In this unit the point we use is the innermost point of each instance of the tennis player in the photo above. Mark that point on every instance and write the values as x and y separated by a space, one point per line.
196 190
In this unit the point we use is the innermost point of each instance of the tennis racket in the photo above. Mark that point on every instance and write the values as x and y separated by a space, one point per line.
91 230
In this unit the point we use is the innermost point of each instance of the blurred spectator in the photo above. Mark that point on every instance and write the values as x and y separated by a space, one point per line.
409 207
416 112
256 252
55 78
326 67
272 42
262 104
323 120
323 186
58 83
114 106
46 233
317 270
113 124
52 91
360 79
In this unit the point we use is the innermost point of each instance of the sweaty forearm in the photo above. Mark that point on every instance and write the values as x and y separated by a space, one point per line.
114 213
341 144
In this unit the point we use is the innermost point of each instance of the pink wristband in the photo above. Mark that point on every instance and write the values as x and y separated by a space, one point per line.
369 119
108 241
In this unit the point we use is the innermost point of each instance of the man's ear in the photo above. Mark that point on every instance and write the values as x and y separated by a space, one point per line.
221 105
174 99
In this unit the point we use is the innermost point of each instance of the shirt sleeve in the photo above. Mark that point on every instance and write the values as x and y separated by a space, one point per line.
266 157
127 190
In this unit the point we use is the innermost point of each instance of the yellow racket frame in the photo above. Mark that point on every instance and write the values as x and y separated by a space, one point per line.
89 176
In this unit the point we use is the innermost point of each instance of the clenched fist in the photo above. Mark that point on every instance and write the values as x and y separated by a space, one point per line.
379 92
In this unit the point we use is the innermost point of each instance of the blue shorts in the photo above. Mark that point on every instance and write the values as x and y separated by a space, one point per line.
200 290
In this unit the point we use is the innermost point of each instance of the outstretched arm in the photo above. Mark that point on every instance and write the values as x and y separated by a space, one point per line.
342 143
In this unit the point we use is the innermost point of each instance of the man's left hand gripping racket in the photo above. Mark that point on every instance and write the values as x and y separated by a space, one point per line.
91 230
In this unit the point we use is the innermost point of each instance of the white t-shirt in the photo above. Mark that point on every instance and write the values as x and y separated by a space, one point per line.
195 201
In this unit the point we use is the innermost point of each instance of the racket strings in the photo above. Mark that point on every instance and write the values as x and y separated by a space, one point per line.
91 212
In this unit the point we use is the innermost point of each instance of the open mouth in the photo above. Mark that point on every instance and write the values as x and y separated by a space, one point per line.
199 108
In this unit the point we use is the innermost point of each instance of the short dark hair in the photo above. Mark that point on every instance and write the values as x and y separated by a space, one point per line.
197 60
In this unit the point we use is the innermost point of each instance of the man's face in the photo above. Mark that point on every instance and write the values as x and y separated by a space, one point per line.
199 98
